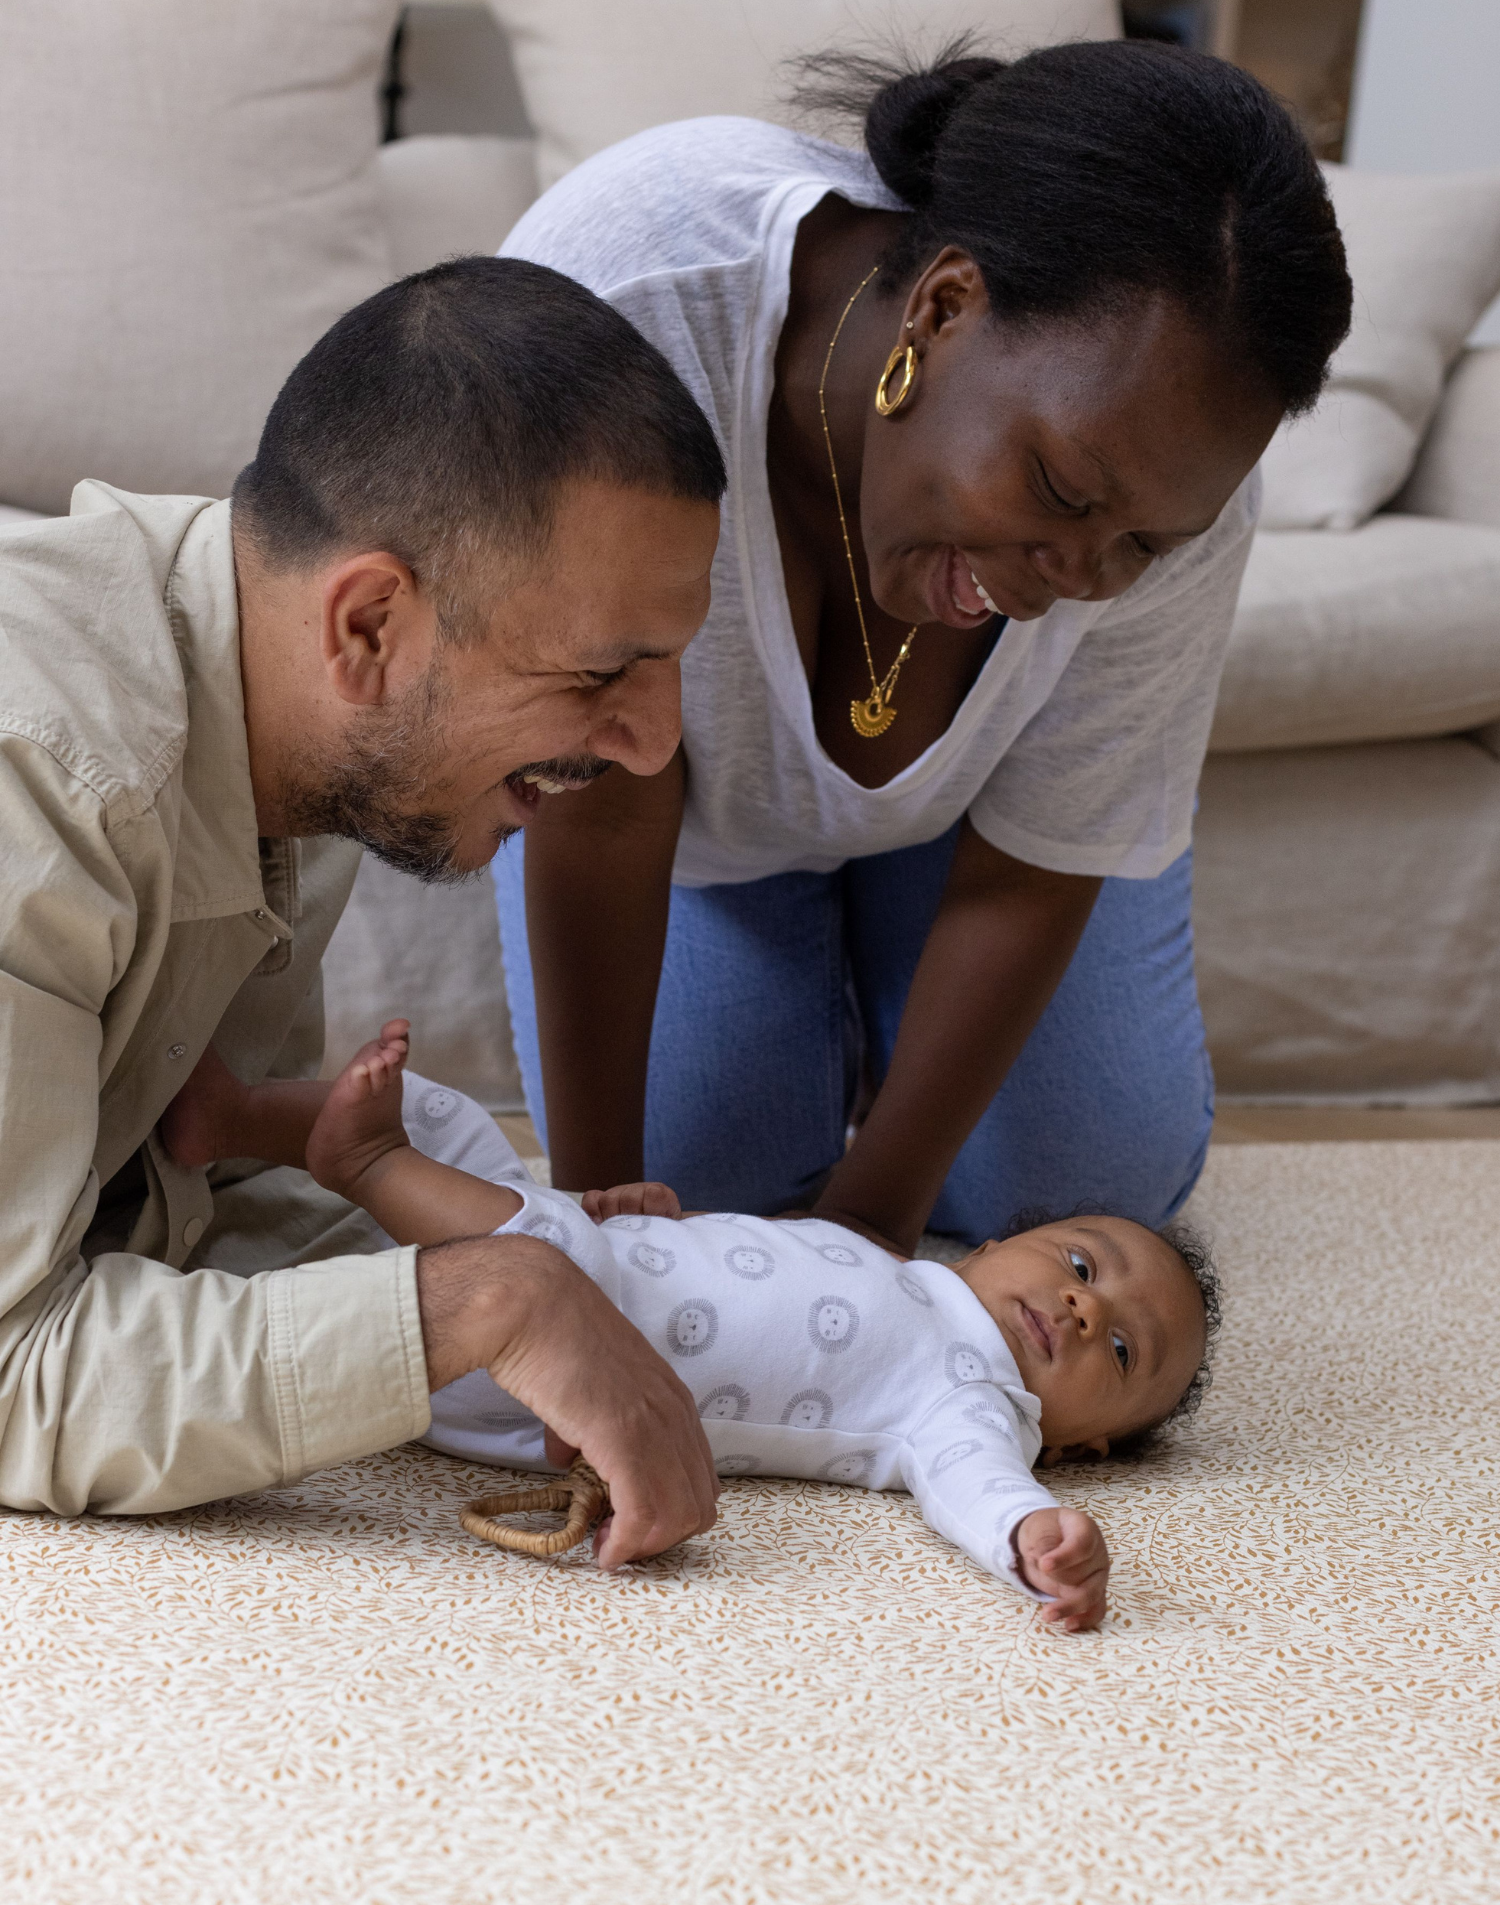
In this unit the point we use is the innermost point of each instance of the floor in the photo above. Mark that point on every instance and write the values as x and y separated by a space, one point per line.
329 1692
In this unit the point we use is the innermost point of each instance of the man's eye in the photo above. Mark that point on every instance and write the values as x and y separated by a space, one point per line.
596 679
1142 549
1121 1349
1081 1264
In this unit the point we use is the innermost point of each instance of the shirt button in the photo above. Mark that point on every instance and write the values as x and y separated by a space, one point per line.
260 912
176 1051
192 1230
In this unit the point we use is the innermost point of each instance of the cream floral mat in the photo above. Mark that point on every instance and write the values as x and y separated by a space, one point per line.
329 1693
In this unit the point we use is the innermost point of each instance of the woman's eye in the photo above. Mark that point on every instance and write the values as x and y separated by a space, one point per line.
1055 496
1121 1349
1081 1264
1142 550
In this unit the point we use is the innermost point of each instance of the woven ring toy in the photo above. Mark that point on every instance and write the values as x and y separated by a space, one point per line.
581 1494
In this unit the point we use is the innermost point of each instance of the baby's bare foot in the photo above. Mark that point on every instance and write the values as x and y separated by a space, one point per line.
200 1125
361 1121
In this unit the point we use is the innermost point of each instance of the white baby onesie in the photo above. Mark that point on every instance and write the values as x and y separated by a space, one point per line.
811 1352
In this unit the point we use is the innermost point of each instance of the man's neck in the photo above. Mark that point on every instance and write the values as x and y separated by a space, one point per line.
279 701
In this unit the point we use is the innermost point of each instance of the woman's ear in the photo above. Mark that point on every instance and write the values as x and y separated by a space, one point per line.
1096 1450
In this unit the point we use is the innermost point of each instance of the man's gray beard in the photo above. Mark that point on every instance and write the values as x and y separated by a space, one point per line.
374 793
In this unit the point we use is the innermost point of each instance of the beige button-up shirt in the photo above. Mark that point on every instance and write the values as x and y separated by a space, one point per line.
166 1336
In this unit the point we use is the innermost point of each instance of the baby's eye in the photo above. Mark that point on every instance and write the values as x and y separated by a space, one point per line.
1081 1264
1121 1349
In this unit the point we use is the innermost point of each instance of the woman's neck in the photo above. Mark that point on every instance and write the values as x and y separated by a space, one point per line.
838 245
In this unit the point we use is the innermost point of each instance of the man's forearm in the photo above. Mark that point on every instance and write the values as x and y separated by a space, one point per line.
1000 944
598 887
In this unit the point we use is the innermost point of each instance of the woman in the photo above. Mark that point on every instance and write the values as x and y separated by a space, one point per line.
991 397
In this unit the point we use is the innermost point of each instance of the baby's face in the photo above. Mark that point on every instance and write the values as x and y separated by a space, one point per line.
1104 1321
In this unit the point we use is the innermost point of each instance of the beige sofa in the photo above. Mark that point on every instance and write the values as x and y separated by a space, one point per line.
214 194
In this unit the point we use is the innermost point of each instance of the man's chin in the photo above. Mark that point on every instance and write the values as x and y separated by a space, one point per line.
431 854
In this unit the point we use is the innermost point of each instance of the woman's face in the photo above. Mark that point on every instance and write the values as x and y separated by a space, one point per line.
1046 462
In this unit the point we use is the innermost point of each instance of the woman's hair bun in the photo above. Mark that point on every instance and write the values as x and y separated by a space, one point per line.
906 118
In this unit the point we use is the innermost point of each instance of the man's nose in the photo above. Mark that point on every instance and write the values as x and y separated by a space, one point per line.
643 723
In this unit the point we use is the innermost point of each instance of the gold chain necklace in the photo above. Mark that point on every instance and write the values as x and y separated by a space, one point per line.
875 714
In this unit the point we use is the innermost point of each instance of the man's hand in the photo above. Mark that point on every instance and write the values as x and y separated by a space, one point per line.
1063 1553
632 1200
521 1309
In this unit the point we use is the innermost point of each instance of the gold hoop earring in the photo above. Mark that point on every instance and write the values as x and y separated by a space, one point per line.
906 358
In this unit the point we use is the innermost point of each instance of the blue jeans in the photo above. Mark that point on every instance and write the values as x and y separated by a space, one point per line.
775 992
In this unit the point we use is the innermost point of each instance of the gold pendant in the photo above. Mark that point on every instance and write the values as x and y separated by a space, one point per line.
871 717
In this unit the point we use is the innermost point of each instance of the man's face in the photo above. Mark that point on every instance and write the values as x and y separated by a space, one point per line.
1104 1320
575 666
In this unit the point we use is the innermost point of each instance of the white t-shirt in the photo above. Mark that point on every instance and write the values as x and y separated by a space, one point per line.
1078 747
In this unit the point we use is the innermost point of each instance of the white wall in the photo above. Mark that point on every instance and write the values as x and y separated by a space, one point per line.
1427 94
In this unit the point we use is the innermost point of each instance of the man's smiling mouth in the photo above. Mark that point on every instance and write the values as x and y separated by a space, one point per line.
529 783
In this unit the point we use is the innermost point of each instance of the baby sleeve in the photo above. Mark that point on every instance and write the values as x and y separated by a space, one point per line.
964 1463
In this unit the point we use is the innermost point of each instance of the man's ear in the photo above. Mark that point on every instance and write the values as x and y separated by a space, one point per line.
1096 1450
375 622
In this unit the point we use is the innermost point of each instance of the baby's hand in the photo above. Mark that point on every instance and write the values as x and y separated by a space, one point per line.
1063 1553
632 1200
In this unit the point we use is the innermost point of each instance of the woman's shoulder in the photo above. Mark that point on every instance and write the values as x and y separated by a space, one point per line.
679 198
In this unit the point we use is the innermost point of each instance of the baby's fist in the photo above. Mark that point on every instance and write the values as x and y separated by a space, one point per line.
632 1200
1063 1553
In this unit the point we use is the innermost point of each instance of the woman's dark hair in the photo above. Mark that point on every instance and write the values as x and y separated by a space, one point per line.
1081 177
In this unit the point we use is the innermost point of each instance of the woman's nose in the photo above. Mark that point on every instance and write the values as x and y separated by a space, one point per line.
1069 570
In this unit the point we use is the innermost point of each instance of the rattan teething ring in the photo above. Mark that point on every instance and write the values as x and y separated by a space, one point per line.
581 1494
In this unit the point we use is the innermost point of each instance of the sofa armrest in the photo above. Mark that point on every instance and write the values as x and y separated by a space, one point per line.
1457 473
448 194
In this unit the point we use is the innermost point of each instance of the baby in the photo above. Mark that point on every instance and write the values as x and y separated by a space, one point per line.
812 1351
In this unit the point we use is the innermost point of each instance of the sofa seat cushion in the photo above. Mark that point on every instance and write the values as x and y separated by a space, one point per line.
1388 631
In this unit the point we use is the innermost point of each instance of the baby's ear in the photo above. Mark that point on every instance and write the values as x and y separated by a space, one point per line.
1095 1451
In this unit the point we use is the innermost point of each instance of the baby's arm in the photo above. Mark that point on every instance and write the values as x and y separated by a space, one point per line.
966 1469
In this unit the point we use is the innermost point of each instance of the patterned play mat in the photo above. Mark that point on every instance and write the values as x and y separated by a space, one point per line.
329 1693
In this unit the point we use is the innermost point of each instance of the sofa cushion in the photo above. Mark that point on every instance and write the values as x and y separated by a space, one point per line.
595 71
446 193
1458 471
1424 254
1391 630
200 202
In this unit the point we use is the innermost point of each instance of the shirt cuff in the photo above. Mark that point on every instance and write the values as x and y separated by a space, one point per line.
347 1358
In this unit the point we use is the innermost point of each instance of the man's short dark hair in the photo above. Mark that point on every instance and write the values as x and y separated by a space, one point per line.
438 419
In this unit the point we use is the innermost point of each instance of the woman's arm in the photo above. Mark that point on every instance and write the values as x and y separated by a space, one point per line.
998 948
598 884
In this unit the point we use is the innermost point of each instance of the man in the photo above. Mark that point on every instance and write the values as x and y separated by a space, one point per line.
457 580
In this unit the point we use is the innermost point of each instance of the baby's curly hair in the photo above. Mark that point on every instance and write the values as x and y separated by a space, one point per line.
1197 1256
